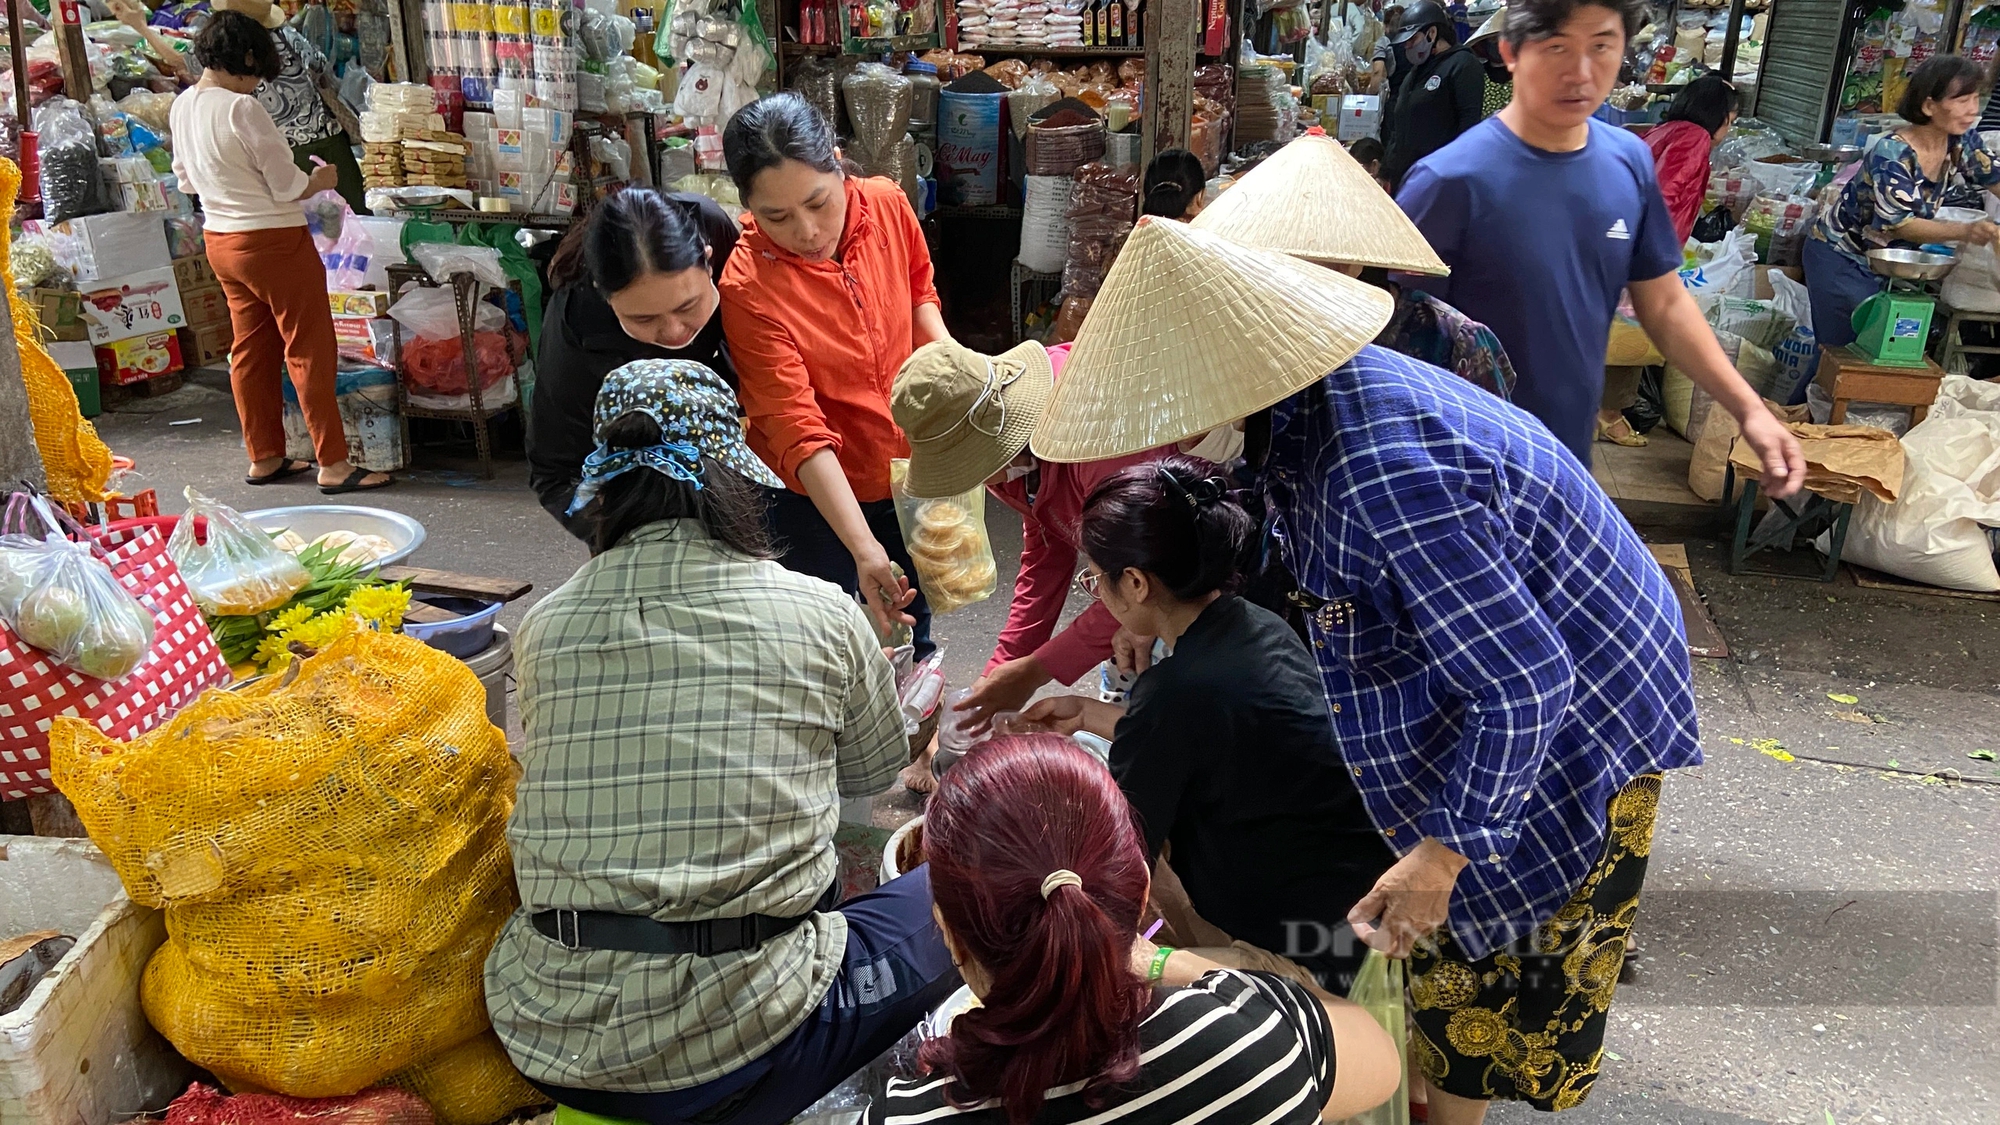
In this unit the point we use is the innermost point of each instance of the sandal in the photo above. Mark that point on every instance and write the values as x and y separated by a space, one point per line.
285 471
1620 433
352 483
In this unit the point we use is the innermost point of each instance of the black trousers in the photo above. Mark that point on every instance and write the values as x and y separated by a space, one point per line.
806 544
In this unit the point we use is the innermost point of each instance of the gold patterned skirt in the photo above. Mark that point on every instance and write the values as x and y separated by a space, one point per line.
1526 1023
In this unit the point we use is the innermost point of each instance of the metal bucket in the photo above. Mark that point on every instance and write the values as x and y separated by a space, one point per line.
495 667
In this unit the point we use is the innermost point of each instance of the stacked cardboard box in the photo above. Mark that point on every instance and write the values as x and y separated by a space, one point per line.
206 339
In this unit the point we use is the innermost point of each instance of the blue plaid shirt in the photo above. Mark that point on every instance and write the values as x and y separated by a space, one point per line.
1500 652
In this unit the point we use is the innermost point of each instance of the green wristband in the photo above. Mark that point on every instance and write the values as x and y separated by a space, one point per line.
1159 966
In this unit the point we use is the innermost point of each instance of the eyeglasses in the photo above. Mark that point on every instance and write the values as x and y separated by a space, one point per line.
1087 583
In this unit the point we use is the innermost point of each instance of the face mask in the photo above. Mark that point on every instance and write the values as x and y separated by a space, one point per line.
1219 446
1416 50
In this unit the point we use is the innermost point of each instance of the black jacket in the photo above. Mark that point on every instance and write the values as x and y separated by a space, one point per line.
581 344
1435 102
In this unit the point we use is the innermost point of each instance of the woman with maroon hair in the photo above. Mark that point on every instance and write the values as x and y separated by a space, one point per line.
1039 876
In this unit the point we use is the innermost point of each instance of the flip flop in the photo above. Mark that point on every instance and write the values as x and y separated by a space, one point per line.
285 471
352 483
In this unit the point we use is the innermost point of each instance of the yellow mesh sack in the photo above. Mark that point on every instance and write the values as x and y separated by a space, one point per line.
329 849
471 1084
74 457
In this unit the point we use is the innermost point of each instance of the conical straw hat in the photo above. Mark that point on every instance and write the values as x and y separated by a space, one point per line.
1192 331
1313 201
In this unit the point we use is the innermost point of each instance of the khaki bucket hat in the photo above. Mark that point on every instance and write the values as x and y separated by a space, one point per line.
1314 201
1191 331
967 414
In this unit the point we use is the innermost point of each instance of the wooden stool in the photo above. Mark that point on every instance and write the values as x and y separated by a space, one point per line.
1954 348
1849 377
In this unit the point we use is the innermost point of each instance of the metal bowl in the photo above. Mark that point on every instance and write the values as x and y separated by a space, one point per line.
311 521
1910 265
1833 154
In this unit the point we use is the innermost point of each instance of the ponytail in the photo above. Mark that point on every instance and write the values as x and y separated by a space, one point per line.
1172 519
1020 815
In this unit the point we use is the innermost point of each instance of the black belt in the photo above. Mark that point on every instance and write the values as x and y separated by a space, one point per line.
636 933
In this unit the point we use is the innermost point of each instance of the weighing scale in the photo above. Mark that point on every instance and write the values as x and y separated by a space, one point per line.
1892 327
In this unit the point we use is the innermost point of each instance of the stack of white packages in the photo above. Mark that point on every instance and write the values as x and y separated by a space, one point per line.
972 21
1031 30
1063 26
1003 23
394 107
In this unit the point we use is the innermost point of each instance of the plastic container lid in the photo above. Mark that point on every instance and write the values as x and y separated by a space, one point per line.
917 66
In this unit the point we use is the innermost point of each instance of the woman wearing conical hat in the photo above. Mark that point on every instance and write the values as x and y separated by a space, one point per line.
1503 661
1314 200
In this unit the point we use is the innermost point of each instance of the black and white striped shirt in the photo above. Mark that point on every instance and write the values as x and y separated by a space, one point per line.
1231 1047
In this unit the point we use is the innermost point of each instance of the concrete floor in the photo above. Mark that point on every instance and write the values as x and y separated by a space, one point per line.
1820 938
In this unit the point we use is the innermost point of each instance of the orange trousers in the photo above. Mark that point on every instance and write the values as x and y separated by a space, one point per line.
276 286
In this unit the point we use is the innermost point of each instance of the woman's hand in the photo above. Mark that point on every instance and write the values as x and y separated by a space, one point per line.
323 178
130 13
1410 901
1005 688
1067 714
886 593
1980 232
1783 460
1131 652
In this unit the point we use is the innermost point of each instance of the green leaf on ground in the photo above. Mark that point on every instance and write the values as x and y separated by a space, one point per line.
1614 1056
1894 764
1838 697
1982 755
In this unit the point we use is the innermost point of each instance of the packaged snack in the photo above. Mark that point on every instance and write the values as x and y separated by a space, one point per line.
947 540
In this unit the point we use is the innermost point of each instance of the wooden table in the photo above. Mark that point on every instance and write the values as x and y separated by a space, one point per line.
1849 377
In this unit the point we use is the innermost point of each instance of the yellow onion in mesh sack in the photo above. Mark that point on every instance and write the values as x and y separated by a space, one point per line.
329 849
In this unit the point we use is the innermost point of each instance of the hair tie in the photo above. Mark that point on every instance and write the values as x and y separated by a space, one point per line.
1062 877
1208 490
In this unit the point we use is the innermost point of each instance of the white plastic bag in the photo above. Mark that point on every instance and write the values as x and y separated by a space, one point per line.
1935 532
434 313
230 565
59 597
1729 272
1974 284
443 259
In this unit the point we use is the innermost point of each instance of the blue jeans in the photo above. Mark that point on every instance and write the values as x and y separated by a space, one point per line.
1836 284
895 971
806 544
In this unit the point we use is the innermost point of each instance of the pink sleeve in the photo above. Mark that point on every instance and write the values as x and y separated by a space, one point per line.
1047 566
1081 647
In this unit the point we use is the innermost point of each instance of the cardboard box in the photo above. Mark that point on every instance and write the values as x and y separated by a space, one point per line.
116 244
1360 116
358 302
204 306
79 361
193 273
207 345
133 305
56 308
136 359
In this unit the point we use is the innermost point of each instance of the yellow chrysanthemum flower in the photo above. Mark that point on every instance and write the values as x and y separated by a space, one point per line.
295 616
272 654
384 605
321 631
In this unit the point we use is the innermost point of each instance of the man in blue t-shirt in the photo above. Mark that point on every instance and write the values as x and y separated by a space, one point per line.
1544 214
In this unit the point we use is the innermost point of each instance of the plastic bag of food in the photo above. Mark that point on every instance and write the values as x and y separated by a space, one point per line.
236 570
1378 989
433 313
72 184
947 540
60 598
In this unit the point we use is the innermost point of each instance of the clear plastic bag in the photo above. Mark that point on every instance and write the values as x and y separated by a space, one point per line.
1378 989
947 540
443 259
60 598
433 312
237 570
72 184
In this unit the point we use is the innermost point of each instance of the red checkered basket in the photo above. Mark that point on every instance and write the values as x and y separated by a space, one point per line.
34 690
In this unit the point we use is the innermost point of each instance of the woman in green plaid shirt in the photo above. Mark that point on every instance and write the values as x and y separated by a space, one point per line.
694 713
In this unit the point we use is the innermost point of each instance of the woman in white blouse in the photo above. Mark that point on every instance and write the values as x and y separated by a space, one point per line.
228 151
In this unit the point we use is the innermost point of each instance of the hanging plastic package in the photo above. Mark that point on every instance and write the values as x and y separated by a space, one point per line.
72 185
947 540
1379 991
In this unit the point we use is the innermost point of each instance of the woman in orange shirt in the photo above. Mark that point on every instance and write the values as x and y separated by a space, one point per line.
828 292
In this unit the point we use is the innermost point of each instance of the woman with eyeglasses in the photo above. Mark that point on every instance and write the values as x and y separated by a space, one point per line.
1226 749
